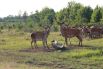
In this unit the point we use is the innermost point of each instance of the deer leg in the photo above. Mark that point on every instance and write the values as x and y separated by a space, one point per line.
80 40
69 41
31 44
35 44
66 41
89 35
44 44
47 44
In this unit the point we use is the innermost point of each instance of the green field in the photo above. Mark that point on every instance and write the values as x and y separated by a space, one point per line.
12 56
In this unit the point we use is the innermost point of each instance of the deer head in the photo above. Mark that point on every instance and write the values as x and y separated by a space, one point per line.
47 29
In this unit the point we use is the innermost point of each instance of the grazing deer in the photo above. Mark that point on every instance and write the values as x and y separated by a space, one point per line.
96 32
68 32
40 36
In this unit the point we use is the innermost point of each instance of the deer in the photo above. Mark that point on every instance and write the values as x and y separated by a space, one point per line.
40 36
86 31
96 32
69 32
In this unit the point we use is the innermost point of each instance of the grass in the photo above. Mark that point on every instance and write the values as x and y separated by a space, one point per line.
90 56
19 66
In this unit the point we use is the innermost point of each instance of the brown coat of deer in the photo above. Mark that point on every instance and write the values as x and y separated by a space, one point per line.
96 32
86 31
68 32
40 36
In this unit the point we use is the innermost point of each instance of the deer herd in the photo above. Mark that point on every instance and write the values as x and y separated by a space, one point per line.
67 32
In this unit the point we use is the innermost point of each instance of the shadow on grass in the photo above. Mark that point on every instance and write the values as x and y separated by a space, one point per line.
68 48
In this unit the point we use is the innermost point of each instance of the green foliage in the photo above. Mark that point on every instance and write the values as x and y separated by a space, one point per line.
20 26
1 27
47 16
55 28
97 15
87 12
25 16
75 14
35 17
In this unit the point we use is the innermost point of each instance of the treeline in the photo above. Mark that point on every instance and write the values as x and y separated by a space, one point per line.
75 14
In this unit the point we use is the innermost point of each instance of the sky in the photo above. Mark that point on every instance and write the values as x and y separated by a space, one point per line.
14 7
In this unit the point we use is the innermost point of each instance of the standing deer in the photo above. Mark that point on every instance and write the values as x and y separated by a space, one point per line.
86 31
68 32
40 36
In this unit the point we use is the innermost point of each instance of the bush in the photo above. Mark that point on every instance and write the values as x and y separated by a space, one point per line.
55 28
1 27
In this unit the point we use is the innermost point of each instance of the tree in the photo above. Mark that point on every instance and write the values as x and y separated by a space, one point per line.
47 16
20 17
35 17
102 15
75 12
86 15
25 15
96 15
